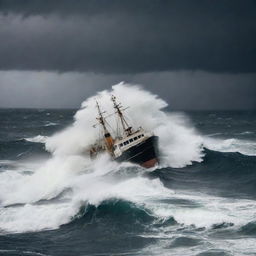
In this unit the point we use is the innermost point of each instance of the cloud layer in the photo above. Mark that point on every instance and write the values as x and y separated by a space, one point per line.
183 90
128 36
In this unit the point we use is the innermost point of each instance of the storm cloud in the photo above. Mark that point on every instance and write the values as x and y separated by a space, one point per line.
128 36
196 54
183 90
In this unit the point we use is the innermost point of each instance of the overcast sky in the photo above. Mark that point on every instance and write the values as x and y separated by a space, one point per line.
196 54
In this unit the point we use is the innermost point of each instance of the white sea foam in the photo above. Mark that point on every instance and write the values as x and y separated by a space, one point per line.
93 182
35 217
88 186
208 210
246 147
50 124
97 183
179 142
246 133
69 169
37 139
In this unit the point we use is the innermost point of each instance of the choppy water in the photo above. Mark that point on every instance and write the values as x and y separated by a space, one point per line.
57 202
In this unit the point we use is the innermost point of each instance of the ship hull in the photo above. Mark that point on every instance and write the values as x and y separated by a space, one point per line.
144 153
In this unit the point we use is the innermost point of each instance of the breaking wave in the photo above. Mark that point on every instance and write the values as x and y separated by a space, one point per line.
180 144
203 186
37 139
246 147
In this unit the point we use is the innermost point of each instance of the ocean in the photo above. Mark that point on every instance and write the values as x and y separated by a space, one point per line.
200 200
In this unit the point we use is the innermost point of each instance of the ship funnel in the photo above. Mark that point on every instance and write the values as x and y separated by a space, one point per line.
109 141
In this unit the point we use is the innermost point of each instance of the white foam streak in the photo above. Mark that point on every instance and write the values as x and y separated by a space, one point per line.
245 147
37 139
35 217
205 210
46 183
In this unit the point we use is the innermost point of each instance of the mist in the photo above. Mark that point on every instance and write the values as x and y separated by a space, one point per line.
183 90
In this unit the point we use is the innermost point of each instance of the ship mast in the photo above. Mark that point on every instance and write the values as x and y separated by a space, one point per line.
107 136
126 127
101 118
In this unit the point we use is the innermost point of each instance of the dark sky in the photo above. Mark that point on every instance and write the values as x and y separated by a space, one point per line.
196 54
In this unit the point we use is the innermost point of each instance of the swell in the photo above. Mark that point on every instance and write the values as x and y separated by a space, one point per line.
222 173
16 149
113 212
249 229
119 215
112 227
245 147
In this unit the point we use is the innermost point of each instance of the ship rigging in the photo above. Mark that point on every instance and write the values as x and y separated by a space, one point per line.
136 146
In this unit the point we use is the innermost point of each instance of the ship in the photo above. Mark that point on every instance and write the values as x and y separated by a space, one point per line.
126 144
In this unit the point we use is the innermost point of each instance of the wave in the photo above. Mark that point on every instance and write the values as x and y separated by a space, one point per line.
114 212
246 147
21 149
126 216
21 253
211 175
112 200
179 142
101 181
37 139
51 124
249 229
105 192
245 133
184 242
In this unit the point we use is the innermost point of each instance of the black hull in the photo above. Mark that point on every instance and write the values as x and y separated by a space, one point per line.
144 153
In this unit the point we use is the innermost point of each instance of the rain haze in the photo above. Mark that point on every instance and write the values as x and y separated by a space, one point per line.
194 54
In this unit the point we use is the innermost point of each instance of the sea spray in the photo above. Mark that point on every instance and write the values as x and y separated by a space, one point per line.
70 169
179 143
91 182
